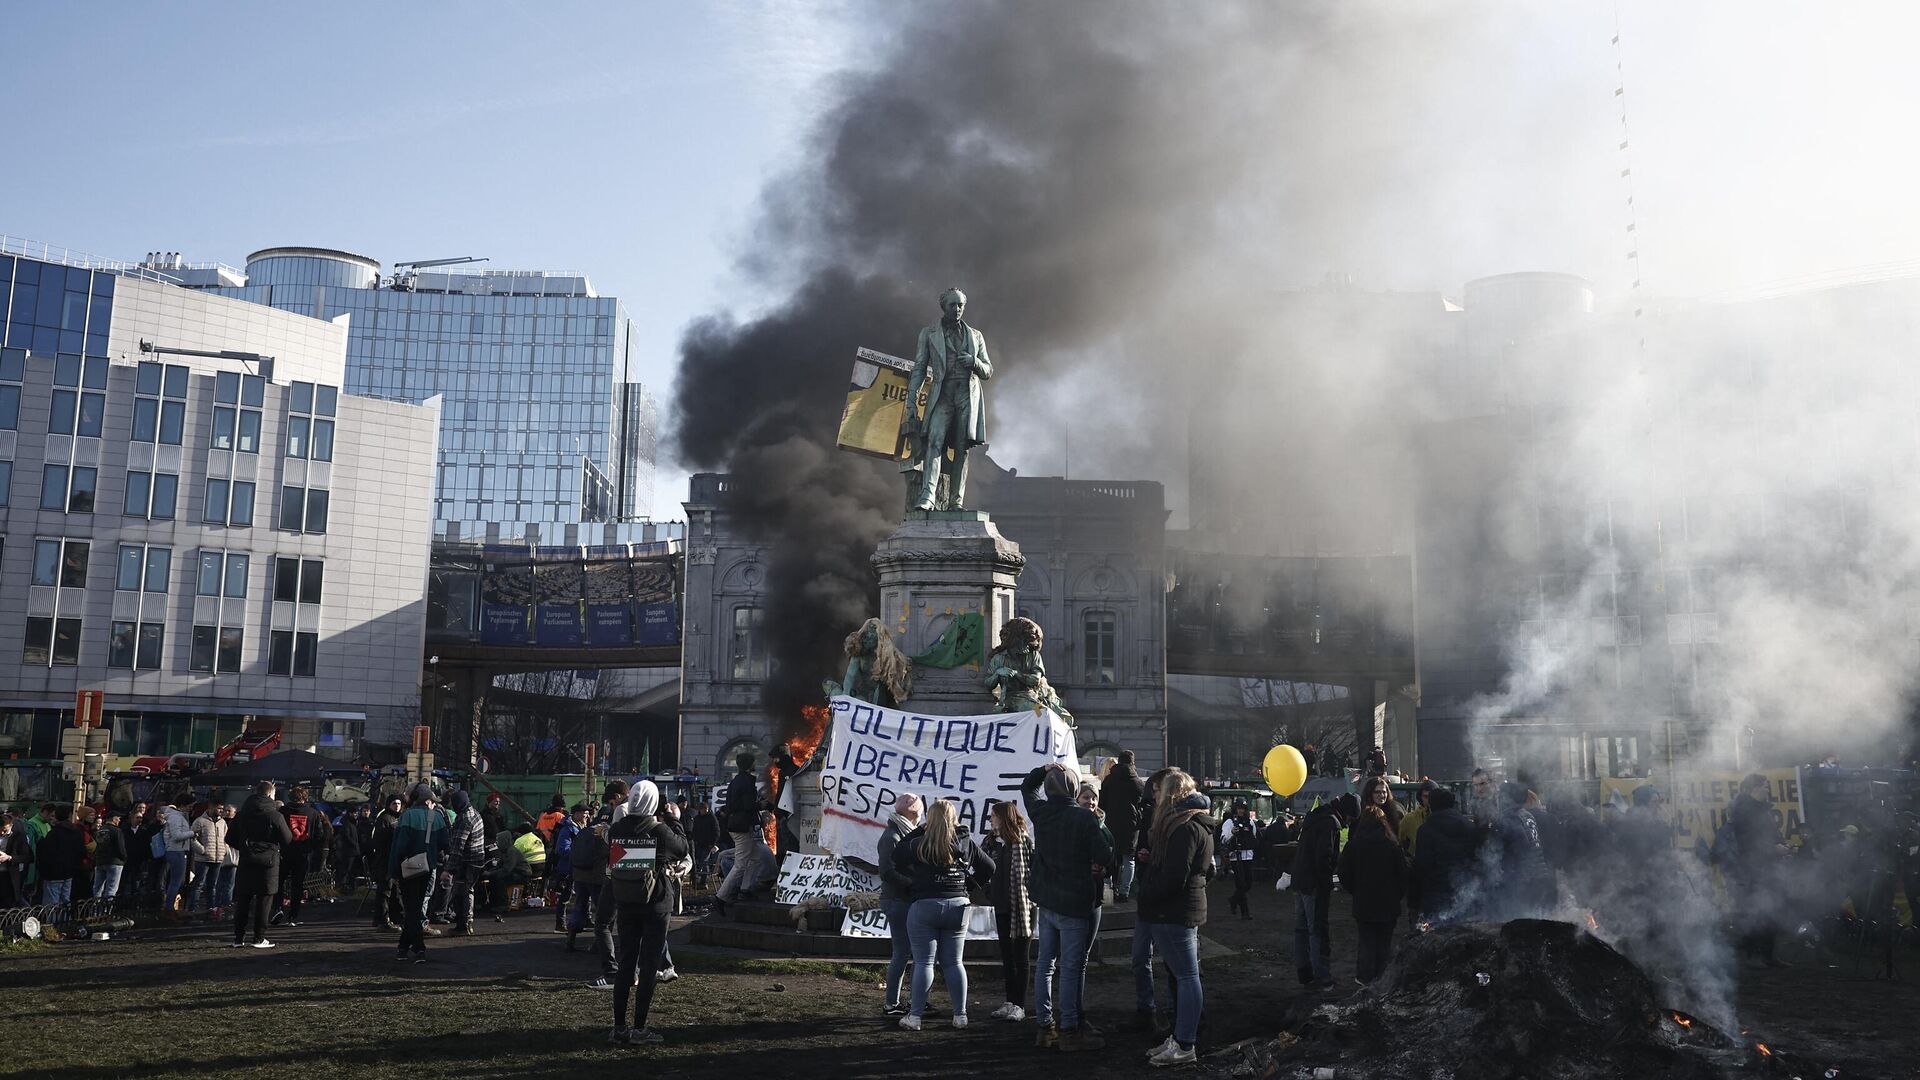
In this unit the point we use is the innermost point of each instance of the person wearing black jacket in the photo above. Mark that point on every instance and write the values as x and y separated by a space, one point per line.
386 899
934 864
346 852
741 817
59 857
642 913
1373 870
704 831
1444 863
1239 837
259 833
1750 867
309 830
1121 793
1173 904
1313 869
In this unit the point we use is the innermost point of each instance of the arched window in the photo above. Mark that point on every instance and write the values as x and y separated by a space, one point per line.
749 646
725 768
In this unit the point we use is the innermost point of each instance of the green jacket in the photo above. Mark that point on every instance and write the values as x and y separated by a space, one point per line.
1069 844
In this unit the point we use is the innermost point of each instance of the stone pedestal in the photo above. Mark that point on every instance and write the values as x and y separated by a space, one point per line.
936 565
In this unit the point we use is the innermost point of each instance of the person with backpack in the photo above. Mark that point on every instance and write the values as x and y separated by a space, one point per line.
419 847
741 808
588 861
893 899
310 831
641 846
613 807
259 831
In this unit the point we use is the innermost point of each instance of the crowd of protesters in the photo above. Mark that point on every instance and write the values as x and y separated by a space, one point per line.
1048 866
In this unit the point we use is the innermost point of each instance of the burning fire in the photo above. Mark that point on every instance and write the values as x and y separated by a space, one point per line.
1762 1047
1425 926
813 731
1682 1019
1594 925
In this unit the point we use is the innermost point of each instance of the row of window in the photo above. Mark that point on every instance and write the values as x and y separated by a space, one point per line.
139 647
72 489
148 568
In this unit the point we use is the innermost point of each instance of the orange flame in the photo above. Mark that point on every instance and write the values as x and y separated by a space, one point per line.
814 719
1425 926
1592 923
1762 1047
1683 1020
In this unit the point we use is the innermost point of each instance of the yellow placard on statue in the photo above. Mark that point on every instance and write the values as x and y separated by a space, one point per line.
876 404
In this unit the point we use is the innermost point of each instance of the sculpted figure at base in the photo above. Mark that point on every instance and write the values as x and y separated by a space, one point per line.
877 672
951 361
1016 674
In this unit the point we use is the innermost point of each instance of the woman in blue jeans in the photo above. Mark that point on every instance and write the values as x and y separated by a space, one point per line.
934 865
893 898
1172 891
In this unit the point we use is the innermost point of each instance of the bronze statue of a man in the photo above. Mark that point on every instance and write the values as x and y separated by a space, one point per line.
951 361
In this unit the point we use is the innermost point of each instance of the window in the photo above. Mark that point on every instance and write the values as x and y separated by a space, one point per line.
46 562
61 417
151 495
39 647
53 487
236 578
1102 641
222 428
13 370
232 639
144 568
6 481
173 422
248 439
229 503
222 573
166 489
749 647
304 509
297 580
120 644
204 641
86 479
93 411
311 571
73 564
290 653
153 639
309 433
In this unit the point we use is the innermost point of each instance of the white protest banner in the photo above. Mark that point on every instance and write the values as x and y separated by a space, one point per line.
806 876
877 754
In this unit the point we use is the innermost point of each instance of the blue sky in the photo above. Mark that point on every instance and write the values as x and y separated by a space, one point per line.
628 141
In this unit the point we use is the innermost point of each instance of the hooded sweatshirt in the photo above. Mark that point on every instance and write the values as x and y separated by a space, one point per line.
638 827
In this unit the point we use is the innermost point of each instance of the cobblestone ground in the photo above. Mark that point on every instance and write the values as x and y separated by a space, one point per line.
511 1002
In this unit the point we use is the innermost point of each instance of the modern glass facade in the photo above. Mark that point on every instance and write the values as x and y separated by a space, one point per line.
541 422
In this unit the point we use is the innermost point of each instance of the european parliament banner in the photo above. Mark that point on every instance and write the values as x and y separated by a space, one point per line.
558 624
876 403
503 624
609 624
659 624
877 754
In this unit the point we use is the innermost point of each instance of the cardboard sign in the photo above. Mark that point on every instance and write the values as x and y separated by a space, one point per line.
876 404
803 877
876 754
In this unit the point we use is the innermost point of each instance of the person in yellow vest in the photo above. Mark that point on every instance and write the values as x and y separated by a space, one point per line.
1410 825
532 850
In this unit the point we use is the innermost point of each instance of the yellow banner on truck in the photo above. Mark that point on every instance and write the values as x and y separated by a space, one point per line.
876 404
1697 801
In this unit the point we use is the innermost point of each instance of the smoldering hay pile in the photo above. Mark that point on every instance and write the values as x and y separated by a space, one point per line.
1531 999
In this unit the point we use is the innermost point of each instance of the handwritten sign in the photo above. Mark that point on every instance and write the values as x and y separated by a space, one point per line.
1697 802
877 754
803 877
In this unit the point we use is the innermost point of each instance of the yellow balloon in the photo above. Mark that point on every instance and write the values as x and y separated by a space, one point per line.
1285 770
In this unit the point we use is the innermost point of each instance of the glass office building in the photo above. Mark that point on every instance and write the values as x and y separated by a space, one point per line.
544 428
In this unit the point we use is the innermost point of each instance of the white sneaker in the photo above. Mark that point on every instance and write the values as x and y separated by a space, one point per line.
666 975
263 944
960 1020
1171 1043
910 1022
1173 1055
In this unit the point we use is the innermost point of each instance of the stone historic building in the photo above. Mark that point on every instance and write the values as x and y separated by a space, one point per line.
1094 580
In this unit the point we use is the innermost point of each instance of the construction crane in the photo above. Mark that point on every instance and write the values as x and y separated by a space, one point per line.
404 279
